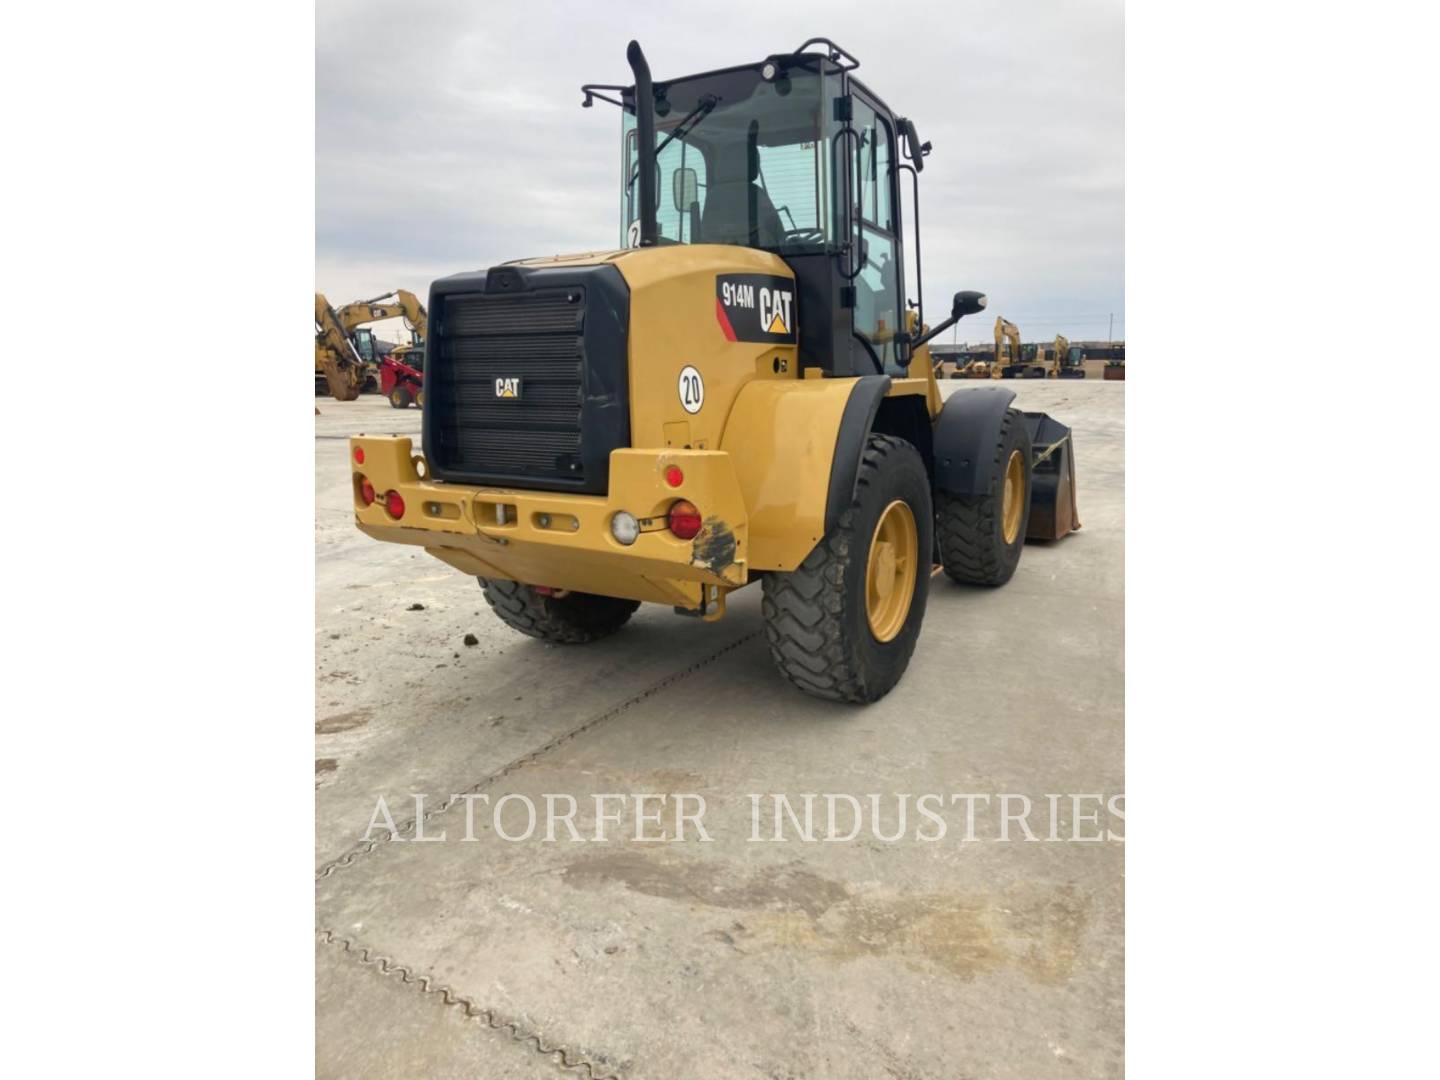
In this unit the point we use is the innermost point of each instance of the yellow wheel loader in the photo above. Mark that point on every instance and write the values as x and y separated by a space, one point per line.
737 393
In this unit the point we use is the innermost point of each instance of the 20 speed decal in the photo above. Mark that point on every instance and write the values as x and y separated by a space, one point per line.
692 389
756 307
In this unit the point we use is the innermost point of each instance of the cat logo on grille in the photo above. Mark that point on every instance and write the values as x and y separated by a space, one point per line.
508 389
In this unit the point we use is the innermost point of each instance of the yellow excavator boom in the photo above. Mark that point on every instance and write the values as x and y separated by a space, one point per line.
398 304
334 353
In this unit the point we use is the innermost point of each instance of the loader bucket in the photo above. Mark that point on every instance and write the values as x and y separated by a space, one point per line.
1053 512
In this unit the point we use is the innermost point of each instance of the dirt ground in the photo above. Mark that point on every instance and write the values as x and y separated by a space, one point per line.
789 959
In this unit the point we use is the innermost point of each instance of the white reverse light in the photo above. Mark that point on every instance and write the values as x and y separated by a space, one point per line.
624 527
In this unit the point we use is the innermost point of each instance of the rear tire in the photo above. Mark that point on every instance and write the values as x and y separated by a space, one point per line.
573 619
980 543
820 618
399 398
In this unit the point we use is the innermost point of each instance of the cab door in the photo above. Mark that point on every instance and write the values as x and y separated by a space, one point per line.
879 286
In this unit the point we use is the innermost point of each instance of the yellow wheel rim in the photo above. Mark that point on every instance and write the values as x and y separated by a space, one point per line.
890 571
1013 503
420 399
397 397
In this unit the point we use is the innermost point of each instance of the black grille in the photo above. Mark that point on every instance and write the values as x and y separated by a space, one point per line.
538 338
563 335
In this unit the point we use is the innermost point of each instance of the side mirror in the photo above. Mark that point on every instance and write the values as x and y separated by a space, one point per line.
685 189
916 152
967 303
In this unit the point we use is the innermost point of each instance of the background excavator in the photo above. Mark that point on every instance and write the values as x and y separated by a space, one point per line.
338 367
1010 359
346 355
1066 360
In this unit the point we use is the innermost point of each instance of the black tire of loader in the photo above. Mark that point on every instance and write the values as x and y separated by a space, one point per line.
573 619
971 530
815 616
400 398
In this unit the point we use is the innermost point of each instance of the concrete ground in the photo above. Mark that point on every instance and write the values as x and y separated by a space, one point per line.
909 958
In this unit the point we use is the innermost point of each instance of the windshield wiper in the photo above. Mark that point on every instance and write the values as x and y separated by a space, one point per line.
690 122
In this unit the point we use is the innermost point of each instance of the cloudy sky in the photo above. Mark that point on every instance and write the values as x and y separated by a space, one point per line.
449 136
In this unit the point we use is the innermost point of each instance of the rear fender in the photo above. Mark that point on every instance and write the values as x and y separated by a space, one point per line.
796 446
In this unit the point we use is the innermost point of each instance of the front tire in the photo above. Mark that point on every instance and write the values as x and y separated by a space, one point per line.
399 398
842 626
981 537
572 618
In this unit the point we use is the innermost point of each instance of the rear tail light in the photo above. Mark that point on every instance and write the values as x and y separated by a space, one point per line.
685 520
674 476
367 491
394 504
359 455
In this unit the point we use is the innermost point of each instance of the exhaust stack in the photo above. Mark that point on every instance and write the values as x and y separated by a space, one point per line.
645 143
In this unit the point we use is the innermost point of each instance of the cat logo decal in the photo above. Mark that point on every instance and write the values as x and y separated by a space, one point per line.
756 307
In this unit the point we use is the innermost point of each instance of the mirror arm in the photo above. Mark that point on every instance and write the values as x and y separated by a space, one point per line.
934 331
592 91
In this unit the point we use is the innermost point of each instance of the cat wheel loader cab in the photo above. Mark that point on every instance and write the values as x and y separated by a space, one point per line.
737 392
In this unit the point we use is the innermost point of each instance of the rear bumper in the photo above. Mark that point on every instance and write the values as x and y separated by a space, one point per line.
561 540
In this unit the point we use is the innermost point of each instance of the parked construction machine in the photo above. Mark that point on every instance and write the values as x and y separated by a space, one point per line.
974 363
736 393
1113 354
402 376
1011 359
341 369
1066 361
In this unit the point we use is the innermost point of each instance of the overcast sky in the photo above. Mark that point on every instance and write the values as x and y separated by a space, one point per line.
449 136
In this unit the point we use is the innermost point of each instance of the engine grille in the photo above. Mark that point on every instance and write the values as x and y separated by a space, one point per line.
537 337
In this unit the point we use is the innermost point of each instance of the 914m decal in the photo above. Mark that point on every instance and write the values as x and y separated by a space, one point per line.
756 307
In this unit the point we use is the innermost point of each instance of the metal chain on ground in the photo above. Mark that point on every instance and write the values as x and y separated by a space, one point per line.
365 847
560 1055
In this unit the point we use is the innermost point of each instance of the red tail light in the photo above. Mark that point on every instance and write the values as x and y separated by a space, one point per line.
359 455
685 520
394 504
367 491
674 476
